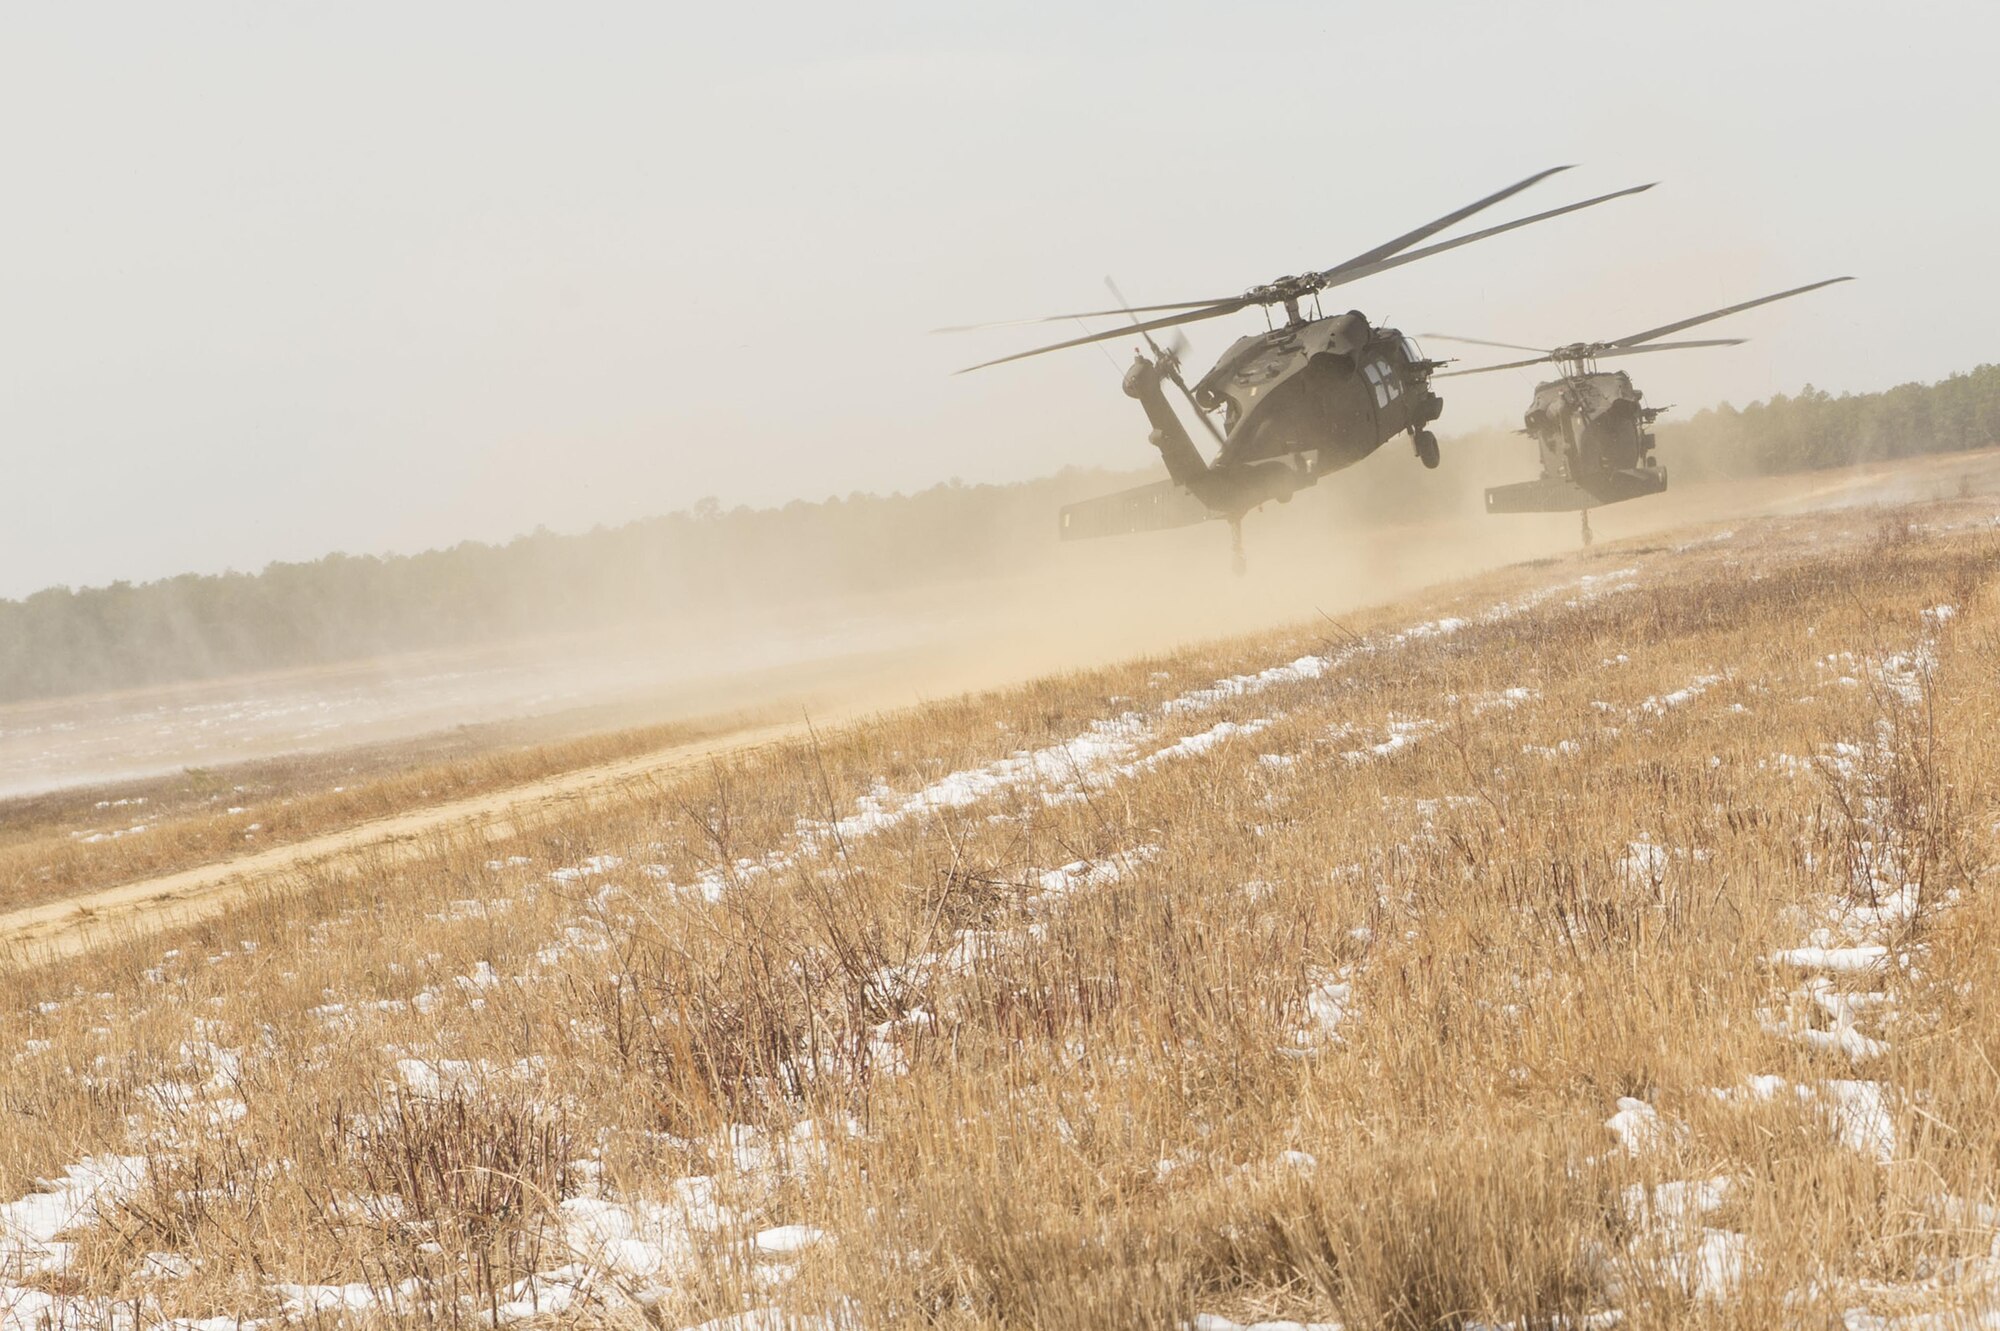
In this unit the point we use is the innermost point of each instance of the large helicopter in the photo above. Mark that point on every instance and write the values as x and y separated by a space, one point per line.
1591 425
1304 398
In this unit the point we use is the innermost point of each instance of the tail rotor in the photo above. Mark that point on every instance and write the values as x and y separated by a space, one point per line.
1167 358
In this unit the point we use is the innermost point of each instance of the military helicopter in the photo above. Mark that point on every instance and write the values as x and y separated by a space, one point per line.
1304 398
1591 424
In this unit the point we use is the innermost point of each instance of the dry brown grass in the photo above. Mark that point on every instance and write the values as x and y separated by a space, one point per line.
1325 1019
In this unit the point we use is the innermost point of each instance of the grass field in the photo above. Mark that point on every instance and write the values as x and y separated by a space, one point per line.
1606 939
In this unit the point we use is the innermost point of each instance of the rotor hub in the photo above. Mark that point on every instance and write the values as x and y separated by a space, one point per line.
1285 290
1578 357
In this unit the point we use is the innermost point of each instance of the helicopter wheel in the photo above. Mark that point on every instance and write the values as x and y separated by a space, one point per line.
1427 448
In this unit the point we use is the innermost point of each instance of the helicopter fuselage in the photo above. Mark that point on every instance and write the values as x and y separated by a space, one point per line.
1333 390
1590 429
1297 402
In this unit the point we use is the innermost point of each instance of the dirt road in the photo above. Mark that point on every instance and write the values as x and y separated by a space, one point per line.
77 924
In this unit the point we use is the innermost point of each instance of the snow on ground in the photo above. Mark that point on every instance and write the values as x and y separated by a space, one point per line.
32 1248
30 1228
1661 704
1857 939
1112 749
1202 741
1858 1113
1328 1002
623 1252
1402 732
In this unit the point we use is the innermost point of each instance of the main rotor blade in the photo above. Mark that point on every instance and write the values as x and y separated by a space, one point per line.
1380 259
1429 229
1479 342
1488 369
1342 276
1664 329
1084 314
1672 346
1367 260
1606 353
1143 326
1350 272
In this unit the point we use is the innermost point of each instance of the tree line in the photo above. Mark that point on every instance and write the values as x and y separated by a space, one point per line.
1816 430
351 607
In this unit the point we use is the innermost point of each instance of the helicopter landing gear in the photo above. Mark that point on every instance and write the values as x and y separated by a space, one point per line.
1426 445
1237 564
1584 513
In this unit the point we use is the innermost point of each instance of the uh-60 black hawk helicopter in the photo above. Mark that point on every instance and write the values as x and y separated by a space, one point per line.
1590 424
1304 398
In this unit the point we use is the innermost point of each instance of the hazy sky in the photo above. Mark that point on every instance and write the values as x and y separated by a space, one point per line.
280 279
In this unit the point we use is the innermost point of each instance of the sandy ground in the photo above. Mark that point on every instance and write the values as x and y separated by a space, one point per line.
1104 601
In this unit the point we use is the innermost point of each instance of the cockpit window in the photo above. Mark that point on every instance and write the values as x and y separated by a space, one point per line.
1387 389
1410 351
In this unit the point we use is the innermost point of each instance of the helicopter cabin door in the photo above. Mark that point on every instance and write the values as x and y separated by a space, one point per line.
1560 461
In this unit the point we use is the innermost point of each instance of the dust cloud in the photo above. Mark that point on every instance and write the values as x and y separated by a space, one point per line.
1034 606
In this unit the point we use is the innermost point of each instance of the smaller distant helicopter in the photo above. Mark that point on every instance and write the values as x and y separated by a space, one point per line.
1590 424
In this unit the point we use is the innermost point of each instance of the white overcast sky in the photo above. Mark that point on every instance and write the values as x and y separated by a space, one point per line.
281 279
